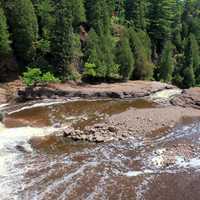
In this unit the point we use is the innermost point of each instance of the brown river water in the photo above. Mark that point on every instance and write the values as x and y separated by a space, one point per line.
35 164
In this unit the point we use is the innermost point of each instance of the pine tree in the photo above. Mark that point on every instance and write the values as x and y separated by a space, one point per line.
46 20
177 26
124 58
195 57
45 10
167 63
5 48
120 10
136 12
143 65
99 15
160 23
62 41
78 12
188 68
24 28
92 55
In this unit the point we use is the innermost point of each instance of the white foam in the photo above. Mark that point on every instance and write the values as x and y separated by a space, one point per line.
11 137
36 105
138 173
192 163
3 105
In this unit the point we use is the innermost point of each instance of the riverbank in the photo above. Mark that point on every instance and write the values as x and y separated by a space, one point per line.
172 106
128 90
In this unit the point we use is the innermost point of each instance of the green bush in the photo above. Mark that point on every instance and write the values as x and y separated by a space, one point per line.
49 78
90 70
34 77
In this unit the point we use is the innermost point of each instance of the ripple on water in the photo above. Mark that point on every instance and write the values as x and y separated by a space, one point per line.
57 168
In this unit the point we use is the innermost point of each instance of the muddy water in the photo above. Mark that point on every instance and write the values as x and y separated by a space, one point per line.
160 167
79 113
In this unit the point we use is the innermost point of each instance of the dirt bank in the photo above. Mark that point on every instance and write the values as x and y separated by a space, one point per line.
131 89
134 123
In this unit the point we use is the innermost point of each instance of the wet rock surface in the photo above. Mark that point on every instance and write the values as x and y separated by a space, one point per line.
166 167
131 89
132 123
110 150
189 98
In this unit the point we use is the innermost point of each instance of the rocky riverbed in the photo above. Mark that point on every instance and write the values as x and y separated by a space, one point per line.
133 123
172 105
114 148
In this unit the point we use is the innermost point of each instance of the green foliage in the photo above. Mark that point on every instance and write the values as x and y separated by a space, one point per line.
100 52
62 40
34 76
143 65
99 15
190 62
24 28
136 13
5 48
167 63
87 37
189 77
124 58
90 70
78 10
160 16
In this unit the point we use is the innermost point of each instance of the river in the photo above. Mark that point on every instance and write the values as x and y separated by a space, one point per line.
37 164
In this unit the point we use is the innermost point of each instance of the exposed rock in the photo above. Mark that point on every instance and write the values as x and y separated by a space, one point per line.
134 123
112 129
189 98
131 89
68 132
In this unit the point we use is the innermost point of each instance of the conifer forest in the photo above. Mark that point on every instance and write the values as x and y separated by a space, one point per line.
102 40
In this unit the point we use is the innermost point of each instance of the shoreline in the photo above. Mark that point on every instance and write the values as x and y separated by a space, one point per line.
129 123
135 123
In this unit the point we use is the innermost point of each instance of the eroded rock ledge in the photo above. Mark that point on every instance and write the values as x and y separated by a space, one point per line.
131 89
188 98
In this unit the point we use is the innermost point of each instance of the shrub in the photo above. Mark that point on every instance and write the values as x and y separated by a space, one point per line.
34 77
49 78
90 70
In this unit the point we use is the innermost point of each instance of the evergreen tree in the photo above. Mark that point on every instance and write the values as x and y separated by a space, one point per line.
177 26
45 10
99 15
188 68
124 58
120 10
160 23
78 12
136 12
24 28
62 41
5 48
167 63
143 66
92 54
